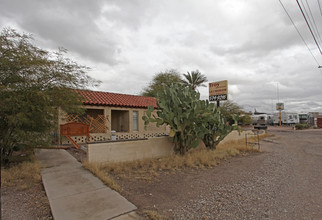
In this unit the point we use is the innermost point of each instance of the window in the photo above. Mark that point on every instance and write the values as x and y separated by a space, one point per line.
120 120
135 120
290 117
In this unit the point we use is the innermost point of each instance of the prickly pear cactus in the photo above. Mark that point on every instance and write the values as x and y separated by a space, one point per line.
190 118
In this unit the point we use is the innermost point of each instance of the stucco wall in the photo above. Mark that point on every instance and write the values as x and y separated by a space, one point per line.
234 136
140 149
129 150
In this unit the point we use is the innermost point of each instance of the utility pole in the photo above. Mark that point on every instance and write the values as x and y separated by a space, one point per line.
280 111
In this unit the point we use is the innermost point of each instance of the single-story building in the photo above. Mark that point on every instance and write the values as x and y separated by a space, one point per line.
113 115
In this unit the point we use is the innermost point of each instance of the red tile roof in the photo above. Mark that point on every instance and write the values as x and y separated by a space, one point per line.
115 99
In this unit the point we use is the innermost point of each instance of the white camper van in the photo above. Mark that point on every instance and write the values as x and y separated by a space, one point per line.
287 118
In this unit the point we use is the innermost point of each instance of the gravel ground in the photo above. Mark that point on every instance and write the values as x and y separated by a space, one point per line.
31 203
283 182
28 204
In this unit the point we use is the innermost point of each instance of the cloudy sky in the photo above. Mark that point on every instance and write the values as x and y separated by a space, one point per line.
250 43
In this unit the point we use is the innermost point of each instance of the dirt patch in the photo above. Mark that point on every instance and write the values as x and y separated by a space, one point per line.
79 154
283 182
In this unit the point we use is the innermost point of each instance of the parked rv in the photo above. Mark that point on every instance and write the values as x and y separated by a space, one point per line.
287 118
270 120
260 121
303 118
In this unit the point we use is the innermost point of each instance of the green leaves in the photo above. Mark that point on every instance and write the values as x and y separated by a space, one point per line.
34 83
194 80
195 143
160 81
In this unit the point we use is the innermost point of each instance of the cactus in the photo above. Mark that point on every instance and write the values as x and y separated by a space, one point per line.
217 128
189 118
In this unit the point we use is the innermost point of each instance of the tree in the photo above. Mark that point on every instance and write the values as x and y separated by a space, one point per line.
190 118
160 80
233 112
33 84
194 79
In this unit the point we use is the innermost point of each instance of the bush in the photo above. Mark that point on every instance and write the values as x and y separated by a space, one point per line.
301 126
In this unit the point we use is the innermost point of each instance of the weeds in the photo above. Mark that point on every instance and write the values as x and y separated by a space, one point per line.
103 175
23 175
153 215
148 169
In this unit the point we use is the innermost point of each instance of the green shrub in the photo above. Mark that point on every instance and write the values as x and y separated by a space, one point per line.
301 126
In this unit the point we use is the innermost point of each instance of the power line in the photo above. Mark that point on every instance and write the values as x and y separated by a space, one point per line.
319 6
299 33
309 26
314 24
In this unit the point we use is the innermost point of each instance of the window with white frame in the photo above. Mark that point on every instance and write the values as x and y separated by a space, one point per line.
135 121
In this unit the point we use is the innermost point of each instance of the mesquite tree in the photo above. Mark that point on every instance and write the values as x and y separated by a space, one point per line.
33 84
161 79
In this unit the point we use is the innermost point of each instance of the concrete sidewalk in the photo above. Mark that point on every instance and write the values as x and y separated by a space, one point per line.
75 193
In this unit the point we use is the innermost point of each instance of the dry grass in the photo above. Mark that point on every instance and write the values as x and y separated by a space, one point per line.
148 169
97 170
153 215
22 175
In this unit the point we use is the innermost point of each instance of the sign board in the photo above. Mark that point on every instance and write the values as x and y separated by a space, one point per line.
279 106
218 91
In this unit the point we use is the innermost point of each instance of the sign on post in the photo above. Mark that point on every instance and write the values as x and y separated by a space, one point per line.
279 106
218 91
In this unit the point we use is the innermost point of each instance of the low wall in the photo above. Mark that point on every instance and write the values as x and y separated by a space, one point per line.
235 136
140 149
129 150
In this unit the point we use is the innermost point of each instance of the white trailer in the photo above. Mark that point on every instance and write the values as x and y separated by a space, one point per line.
260 121
287 118
270 119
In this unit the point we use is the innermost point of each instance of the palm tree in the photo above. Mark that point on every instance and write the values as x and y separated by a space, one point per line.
194 79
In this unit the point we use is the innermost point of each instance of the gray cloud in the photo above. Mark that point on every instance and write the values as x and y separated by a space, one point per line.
69 24
250 43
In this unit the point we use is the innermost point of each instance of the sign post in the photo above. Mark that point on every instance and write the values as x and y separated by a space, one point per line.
280 107
218 91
